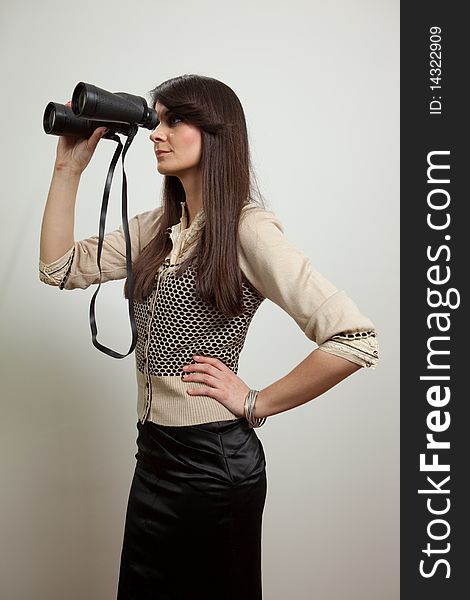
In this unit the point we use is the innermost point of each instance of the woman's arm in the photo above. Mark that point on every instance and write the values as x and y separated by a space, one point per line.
285 275
57 230
71 264
346 338
316 374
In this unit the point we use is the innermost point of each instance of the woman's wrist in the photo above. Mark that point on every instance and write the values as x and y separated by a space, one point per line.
259 409
67 170
249 409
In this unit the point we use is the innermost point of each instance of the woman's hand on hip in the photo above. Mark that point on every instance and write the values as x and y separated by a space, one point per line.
220 383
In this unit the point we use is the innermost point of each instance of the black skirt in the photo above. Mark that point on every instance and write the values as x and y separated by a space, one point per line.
193 524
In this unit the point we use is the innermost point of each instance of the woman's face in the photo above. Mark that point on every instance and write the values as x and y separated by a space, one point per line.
181 141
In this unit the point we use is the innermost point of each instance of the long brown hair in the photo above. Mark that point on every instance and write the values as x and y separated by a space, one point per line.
228 183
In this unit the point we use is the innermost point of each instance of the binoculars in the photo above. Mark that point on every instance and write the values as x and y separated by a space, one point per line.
93 107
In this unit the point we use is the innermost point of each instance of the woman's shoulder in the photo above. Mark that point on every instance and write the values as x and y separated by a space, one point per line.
256 221
253 210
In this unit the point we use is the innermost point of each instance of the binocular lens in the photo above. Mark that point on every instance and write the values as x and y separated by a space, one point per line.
82 100
51 120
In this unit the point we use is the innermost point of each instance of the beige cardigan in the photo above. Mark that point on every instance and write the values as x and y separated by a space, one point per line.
173 324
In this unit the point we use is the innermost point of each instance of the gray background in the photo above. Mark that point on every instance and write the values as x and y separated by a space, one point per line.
320 86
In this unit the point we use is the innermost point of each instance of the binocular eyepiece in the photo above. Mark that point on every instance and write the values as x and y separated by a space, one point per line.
93 107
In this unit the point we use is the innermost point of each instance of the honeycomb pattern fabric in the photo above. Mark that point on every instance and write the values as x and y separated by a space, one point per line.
182 325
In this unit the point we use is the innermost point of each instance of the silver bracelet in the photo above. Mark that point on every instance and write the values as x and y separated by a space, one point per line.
249 408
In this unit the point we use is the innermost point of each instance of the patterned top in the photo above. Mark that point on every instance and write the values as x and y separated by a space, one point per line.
173 324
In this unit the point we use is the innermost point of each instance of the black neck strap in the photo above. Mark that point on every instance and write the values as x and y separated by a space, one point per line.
104 207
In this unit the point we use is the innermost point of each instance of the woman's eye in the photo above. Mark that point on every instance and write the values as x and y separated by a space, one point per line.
170 120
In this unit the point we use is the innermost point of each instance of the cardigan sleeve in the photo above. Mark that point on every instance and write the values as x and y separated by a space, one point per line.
284 274
78 267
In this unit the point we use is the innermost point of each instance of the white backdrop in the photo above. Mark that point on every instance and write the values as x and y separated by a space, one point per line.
320 86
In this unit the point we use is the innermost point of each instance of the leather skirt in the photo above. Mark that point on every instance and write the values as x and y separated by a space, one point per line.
193 524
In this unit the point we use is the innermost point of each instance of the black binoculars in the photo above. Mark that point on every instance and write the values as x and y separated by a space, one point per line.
93 107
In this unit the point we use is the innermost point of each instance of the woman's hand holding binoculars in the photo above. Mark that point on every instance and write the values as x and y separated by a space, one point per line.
74 154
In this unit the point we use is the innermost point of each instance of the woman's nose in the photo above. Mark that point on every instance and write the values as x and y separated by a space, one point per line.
156 134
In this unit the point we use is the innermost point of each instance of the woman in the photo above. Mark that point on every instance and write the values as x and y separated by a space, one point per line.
203 263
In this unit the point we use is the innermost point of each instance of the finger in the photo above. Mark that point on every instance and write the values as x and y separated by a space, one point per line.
205 391
93 140
218 364
203 368
201 378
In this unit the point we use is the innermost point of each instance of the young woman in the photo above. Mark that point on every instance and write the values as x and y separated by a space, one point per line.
203 262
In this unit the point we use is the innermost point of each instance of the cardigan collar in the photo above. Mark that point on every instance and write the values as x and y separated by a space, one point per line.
198 219
181 235
182 225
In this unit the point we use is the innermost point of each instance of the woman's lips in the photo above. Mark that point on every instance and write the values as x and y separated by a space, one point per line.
161 153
